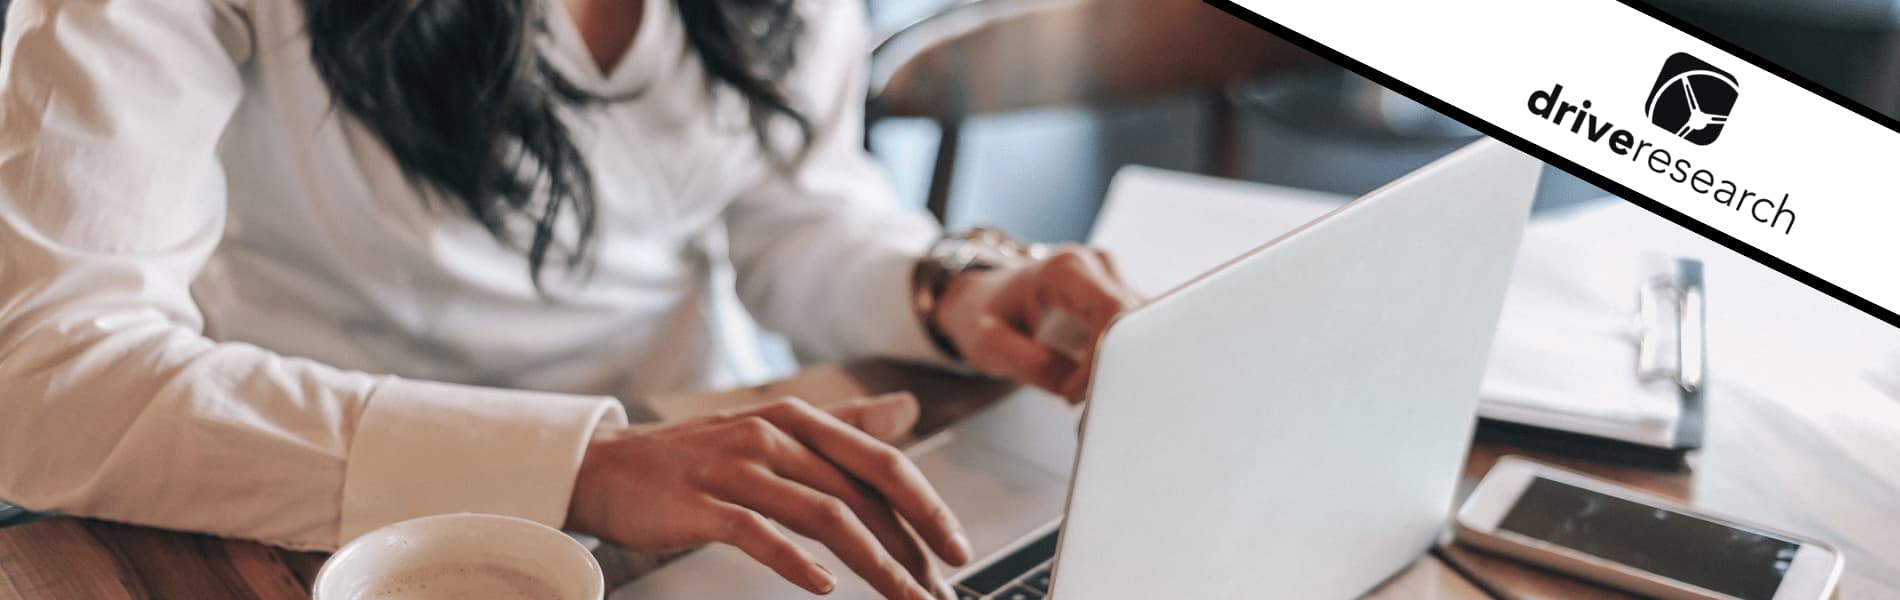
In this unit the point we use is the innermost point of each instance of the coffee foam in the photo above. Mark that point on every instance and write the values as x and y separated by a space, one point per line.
456 581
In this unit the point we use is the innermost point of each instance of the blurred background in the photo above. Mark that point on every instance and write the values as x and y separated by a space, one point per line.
1017 112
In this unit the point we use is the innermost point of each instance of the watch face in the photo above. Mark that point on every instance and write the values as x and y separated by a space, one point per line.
988 248
1692 99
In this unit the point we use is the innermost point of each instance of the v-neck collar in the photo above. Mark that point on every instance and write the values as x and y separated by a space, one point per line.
638 66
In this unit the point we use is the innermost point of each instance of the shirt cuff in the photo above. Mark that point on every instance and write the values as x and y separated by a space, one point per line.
426 448
895 311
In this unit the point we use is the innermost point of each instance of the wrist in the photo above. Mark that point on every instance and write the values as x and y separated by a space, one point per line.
582 509
580 499
956 267
963 298
930 283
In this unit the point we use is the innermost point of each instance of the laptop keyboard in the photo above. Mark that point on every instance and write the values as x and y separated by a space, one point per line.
1023 575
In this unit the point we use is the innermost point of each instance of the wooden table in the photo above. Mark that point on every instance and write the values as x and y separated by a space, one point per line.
1758 464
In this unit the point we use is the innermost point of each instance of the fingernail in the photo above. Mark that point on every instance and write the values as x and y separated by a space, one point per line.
882 424
960 544
917 592
822 579
891 397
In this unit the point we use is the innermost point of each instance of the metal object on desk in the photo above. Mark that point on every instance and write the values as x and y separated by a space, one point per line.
1671 314
1650 415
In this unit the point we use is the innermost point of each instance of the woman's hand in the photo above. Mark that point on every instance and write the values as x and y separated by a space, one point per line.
730 478
996 317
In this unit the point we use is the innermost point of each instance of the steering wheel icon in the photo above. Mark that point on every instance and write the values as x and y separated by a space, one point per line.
1693 104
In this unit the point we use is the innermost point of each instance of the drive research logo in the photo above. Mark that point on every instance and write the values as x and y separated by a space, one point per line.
1692 99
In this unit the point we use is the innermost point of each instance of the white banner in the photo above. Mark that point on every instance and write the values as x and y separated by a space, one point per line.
1662 113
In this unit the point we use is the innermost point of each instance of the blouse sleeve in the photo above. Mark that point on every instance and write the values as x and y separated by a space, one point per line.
823 252
113 404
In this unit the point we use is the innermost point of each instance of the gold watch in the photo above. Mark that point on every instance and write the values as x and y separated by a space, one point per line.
979 249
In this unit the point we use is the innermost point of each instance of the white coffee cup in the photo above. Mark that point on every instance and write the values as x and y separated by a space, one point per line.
502 554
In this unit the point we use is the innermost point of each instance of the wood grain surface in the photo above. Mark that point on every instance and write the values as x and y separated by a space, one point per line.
1759 464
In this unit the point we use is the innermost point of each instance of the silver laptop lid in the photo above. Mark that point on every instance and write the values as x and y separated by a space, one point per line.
1293 424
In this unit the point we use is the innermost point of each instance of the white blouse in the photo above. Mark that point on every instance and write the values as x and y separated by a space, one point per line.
223 308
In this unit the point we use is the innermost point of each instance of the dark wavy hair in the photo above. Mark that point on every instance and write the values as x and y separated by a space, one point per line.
459 92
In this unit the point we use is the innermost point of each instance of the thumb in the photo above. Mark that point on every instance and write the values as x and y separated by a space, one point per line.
887 417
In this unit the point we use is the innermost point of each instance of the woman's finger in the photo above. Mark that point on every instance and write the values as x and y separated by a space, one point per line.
752 534
888 417
878 465
1001 349
829 520
1078 283
1129 296
1076 387
801 465
1107 261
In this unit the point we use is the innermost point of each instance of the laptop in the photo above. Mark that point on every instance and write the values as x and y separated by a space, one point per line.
1291 424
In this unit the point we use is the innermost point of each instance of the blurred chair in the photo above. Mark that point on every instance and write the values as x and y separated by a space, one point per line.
1849 46
981 57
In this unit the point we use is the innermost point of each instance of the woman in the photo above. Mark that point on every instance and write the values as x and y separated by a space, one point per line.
219 217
